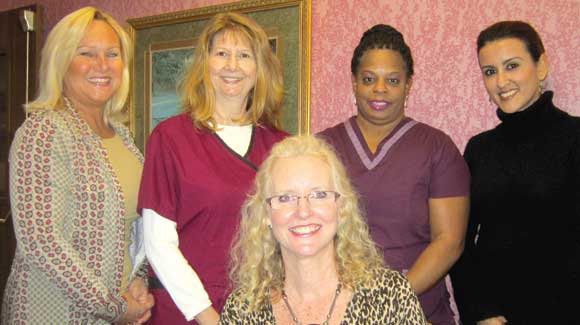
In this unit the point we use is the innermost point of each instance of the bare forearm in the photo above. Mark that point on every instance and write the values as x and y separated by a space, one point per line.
448 221
207 317
433 264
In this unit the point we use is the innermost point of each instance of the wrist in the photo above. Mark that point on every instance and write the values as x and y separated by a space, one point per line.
207 316
122 304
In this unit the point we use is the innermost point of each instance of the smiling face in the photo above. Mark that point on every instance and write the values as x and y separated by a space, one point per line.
511 76
304 231
380 87
232 67
96 70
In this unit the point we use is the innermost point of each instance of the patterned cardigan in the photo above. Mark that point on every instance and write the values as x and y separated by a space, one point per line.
68 209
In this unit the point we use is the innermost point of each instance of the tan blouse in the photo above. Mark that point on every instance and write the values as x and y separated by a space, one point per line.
128 170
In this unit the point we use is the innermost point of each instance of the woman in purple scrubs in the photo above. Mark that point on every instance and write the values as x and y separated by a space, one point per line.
413 182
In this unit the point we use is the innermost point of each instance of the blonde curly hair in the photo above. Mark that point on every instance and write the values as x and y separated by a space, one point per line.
257 269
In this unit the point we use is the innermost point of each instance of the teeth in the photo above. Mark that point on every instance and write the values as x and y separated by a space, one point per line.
99 80
304 229
507 94
378 104
231 79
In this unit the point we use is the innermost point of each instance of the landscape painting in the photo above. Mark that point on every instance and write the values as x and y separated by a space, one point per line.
164 45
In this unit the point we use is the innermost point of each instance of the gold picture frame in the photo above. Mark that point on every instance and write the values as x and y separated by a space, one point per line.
287 23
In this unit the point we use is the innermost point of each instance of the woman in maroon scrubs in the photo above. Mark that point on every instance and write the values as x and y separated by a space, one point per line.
199 166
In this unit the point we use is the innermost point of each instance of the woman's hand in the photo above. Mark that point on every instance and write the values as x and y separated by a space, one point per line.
135 310
139 291
208 317
139 302
498 320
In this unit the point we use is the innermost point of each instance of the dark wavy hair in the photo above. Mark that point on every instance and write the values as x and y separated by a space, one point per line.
382 37
513 29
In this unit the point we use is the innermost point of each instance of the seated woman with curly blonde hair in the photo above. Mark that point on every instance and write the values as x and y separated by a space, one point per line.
303 252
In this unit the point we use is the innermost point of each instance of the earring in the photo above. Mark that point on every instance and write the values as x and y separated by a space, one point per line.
542 86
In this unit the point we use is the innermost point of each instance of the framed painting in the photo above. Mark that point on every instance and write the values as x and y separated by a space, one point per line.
164 44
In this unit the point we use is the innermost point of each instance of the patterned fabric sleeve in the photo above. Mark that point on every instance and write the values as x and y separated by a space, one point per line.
40 192
141 272
406 309
388 299
231 312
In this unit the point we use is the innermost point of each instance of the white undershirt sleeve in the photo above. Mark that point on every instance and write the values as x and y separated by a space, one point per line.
171 268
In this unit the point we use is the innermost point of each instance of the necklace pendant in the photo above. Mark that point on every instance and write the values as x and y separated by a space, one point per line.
295 319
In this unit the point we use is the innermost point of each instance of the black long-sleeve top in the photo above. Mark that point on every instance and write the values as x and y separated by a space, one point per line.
522 254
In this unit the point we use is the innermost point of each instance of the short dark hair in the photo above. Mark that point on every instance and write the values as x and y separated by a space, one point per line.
513 29
382 37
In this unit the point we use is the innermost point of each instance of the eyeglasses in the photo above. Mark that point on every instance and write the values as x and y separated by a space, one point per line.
314 198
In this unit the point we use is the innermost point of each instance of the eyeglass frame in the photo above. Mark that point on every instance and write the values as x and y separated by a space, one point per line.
298 197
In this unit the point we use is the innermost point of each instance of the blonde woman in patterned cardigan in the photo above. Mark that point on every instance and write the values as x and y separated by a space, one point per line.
74 176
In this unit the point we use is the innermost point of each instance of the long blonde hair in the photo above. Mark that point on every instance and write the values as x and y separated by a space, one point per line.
58 52
198 95
257 269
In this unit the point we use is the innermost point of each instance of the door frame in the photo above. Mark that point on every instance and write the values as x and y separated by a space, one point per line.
13 51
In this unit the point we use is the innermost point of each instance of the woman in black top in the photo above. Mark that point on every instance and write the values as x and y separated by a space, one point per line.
521 261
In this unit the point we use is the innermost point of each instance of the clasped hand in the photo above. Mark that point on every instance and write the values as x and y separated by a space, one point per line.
139 303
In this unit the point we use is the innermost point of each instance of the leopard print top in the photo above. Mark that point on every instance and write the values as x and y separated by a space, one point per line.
389 300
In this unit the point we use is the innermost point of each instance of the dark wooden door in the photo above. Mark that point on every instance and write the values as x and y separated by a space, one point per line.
17 81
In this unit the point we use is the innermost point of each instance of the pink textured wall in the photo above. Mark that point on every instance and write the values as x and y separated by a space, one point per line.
447 93
120 9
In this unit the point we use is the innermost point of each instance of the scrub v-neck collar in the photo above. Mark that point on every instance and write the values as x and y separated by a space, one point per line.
369 160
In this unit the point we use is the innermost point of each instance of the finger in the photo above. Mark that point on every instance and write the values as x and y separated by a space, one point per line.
145 317
150 300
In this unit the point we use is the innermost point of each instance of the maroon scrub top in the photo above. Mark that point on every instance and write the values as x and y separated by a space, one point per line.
193 178
410 166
